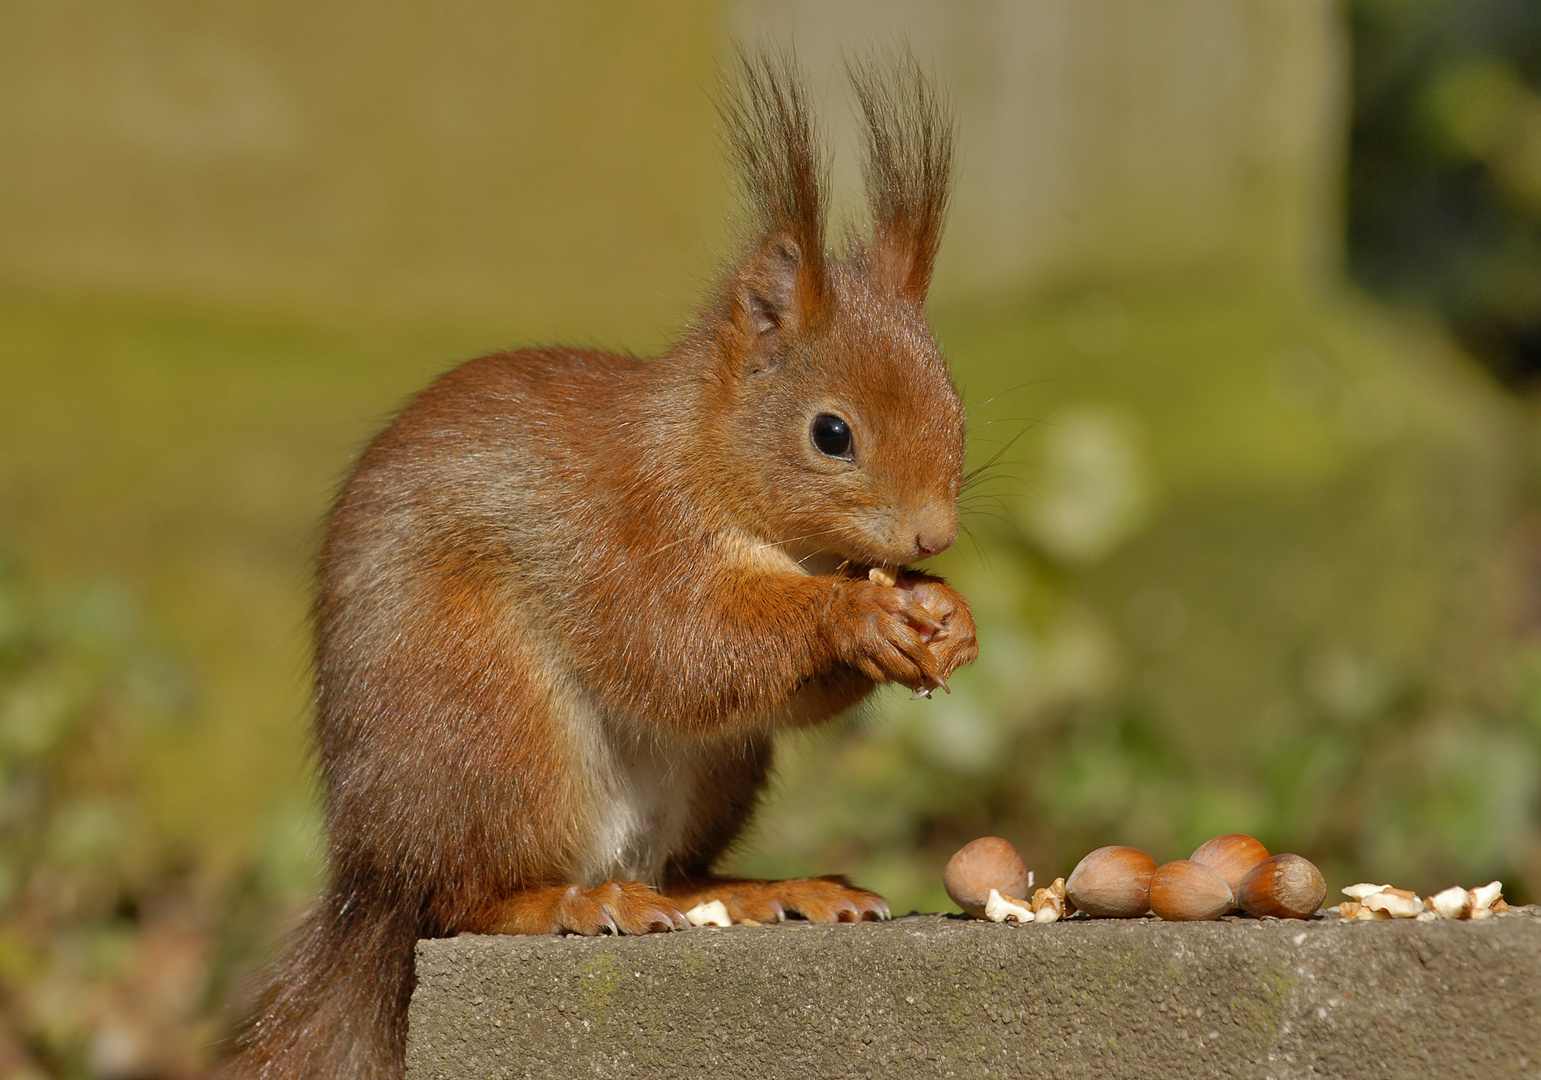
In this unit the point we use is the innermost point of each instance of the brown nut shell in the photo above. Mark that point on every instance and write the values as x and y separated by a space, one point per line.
1112 882
1232 857
981 865
1285 886
1189 891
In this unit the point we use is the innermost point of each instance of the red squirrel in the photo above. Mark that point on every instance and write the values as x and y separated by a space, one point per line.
567 598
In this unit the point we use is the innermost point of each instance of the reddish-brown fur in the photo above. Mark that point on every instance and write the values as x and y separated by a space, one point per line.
567 597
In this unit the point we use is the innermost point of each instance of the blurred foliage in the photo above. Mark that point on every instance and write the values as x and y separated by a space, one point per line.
1444 179
116 945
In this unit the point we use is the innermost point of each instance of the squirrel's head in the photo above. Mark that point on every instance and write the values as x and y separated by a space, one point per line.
842 425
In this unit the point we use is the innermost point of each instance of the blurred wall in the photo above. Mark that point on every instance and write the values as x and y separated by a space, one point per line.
1105 139
526 160
542 162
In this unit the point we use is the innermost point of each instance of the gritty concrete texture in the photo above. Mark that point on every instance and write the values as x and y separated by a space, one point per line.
935 996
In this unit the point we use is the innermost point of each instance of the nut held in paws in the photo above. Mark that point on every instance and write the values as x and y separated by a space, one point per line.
1112 882
1188 891
981 865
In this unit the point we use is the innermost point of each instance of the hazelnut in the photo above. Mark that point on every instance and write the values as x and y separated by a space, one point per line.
981 865
1232 857
881 575
1285 886
1189 891
1113 882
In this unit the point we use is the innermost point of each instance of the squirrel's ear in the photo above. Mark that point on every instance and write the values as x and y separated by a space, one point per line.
775 295
908 172
780 290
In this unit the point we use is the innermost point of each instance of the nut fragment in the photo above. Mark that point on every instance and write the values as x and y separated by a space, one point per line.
882 575
1398 903
1353 910
1051 904
1232 857
1363 889
1189 891
1451 903
709 913
1000 908
1386 902
1285 886
981 865
1113 882
1483 897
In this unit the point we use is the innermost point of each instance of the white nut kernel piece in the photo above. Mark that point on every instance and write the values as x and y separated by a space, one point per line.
1451 903
881 575
1006 909
1393 904
710 913
1363 889
1354 911
1482 897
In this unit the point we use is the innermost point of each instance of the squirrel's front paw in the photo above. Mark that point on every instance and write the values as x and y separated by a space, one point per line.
882 630
954 645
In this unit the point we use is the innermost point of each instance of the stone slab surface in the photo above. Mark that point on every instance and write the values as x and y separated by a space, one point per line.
933 996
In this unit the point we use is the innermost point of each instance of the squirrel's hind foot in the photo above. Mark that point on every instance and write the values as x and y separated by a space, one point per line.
616 907
829 899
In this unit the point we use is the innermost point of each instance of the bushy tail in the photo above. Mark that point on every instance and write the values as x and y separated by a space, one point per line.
335 1007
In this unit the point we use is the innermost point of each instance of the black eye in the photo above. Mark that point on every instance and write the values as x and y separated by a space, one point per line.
832 436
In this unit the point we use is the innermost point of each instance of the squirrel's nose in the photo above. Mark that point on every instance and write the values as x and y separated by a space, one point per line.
936 535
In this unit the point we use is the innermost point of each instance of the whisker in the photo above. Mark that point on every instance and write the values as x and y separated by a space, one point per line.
798 539
968 476
1023 386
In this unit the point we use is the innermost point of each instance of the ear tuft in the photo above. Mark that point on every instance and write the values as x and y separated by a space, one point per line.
908 171
783 173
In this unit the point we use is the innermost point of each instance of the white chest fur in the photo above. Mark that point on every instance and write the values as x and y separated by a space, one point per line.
640 802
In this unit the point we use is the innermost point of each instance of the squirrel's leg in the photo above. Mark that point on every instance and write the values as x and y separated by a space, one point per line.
616 907
822 899
723 801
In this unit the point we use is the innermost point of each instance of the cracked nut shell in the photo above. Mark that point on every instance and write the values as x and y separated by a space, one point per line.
1189 891
981 865
1112 882
1285 886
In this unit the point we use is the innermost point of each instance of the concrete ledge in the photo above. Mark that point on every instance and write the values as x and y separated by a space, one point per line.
934 996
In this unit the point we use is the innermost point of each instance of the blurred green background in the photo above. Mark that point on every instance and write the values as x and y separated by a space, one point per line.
1245 301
